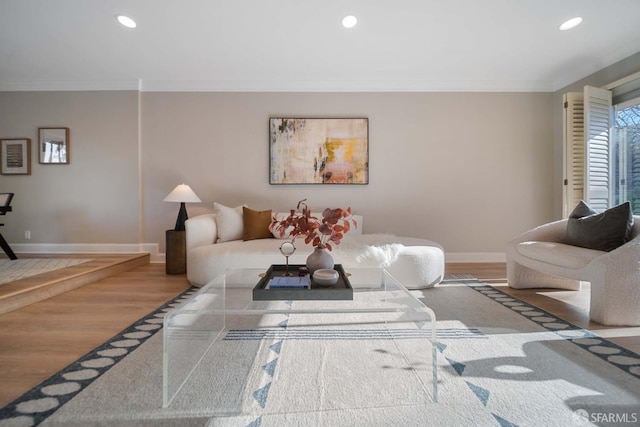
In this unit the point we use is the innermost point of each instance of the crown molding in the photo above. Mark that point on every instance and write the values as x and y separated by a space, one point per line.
281 86
51 86
344 86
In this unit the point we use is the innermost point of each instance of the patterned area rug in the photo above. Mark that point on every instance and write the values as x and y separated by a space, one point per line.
502 362
12 270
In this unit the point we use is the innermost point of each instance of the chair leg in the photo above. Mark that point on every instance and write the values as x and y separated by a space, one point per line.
7 249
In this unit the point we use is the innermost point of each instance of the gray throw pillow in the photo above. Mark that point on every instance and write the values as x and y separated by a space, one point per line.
601 231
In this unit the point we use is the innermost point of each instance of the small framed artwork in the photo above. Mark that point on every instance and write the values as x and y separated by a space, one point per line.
318 150
53 145
15 155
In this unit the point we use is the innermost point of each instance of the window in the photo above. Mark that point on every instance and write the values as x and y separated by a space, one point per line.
602 146
625 167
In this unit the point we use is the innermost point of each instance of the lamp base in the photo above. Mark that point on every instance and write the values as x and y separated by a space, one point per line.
182 217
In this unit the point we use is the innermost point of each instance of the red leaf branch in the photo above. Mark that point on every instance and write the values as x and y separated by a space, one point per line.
320 232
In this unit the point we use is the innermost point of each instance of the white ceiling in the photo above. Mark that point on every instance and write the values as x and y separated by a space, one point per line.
299 45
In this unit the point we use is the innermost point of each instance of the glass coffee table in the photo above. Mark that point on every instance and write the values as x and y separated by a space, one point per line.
227 355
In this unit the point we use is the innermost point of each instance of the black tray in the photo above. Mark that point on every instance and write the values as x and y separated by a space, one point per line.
342 290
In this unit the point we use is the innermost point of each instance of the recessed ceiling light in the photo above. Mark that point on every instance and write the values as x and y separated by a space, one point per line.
571 23
126 21
349 21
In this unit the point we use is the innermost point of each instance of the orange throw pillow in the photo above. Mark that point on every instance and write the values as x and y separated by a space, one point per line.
256 224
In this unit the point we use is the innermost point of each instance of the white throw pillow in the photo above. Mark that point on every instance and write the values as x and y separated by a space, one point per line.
229 222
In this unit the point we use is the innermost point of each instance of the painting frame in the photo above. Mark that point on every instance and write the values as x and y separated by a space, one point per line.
15 156
318 150
53 146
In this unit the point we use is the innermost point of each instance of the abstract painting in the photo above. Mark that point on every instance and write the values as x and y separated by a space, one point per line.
319 151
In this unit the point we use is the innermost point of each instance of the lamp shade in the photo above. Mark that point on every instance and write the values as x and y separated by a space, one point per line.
182 193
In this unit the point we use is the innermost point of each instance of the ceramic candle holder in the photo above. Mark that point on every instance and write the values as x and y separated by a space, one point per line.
325 276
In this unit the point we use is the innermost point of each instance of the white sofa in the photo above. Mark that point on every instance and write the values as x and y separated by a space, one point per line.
416 263
538 259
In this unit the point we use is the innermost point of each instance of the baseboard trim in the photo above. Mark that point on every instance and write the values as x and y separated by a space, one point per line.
475 257
87 248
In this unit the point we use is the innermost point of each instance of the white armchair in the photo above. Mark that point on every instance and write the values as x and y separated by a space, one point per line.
537 259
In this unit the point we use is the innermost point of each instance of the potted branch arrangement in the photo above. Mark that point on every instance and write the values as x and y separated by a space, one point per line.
323 233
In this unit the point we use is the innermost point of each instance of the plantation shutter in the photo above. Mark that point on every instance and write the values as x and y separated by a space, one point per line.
597 118
574 157
587 127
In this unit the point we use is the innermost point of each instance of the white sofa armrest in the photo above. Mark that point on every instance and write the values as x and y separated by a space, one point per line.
526 273
201 230
551 232
615 285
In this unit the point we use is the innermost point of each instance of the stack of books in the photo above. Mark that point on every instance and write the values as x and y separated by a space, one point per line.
295 282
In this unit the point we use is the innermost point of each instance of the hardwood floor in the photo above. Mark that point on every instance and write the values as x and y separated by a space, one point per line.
572 306
40 339
36 288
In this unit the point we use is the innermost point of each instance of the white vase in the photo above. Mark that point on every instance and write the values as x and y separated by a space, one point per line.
319 258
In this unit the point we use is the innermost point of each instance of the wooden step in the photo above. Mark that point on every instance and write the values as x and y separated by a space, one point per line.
36 288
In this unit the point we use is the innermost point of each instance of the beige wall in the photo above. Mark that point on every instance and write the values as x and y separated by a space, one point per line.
468 170
94 199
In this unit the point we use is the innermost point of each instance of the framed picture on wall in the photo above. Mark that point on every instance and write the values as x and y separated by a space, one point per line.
53 145
15 155
318 150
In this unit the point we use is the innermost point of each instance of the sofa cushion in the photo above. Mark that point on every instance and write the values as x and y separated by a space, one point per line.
255 224
600 231
229 220
560 254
